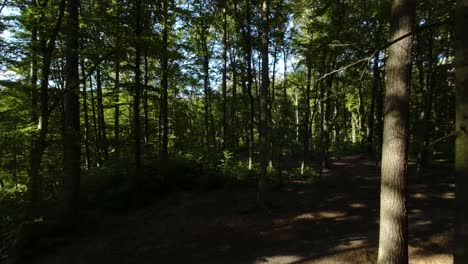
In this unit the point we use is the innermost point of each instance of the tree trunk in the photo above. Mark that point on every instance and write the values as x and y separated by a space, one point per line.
164 86
307 117
264 126
393 237
101 120
375 89
206 89
71 139
461 125
39 141
97 138
224 81
86 117
250 83
117 110
145 102
137 95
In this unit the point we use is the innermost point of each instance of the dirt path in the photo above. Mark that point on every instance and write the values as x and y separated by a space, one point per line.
334 222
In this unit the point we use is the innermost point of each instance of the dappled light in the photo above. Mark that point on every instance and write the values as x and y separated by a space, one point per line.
233 132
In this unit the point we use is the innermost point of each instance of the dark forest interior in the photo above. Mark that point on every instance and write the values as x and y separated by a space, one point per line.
234 131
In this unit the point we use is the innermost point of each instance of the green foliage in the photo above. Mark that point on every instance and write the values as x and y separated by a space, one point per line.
107 186
11 202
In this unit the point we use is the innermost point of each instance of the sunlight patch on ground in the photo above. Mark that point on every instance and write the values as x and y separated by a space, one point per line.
319 215
280 259
447 195
420 196
418 258
357 205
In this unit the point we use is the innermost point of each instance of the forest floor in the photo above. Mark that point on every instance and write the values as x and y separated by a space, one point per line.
335 221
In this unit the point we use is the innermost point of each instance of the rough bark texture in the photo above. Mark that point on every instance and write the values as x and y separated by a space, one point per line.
393 238
461 143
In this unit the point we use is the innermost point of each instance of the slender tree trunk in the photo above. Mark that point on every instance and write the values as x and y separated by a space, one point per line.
264 126
164 87
117 110
379 118
375 89
145 102
393 237
101 119
72 146
39 141
461 126
250 83
86 117
224 81
137 95
234 119
362 114
206 89
34 77
97 138
307 117
427 111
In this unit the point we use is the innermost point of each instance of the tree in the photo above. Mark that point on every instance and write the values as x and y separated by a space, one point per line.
71 139
461 128
393 237
264 126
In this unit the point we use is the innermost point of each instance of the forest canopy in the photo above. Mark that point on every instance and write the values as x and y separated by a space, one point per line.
116 103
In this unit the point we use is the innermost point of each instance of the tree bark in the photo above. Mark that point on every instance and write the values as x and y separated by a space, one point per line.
264 126
164 155
393 237
72 140
137 95
101 120
224 81
461 128
86 117
371 120
117 110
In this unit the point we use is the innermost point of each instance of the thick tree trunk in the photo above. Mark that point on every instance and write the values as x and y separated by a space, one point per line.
71 139
393 237
461 126
264 126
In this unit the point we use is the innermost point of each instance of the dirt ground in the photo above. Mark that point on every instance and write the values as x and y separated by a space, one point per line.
335 221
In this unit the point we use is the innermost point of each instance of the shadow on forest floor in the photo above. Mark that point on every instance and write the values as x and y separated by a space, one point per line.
335 221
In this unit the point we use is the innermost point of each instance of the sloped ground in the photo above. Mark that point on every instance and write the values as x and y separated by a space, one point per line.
332 222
